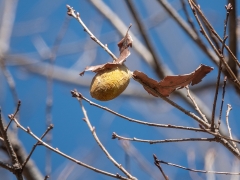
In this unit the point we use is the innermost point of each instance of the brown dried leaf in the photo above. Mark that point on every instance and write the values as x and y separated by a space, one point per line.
123 47
99 67
171 83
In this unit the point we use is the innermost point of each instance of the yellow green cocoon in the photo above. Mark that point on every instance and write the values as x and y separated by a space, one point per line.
109 83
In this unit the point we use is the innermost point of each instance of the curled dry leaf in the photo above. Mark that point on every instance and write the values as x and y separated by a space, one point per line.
171 83
124 53
123 47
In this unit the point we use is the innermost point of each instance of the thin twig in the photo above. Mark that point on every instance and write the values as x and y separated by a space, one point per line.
208 24
10 150
228 8
235 80
228 126
34 147
93 131
200 171
79 95
56 150
31 170
75 93
156 162
223 94
218 135
195 105
71 12
116 136
17 109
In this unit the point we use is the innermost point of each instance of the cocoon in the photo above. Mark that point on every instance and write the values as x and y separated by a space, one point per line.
107 84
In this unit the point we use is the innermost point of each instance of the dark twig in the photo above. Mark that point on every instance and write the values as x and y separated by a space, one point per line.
17 109
56 150
116 136
233 76
200 171
16 165
156 162
194 7
77 94
208 24
228 8
223 94
217 135
25 162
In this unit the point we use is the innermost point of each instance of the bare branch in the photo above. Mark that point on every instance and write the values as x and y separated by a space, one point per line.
195 105
16 165
156 162
235 80
229 8
34 147
71 12
116 136
208 24
56 150
228 126
79 95
200 171
93 131
17 109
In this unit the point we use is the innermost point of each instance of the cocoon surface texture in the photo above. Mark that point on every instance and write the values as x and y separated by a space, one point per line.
110 83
